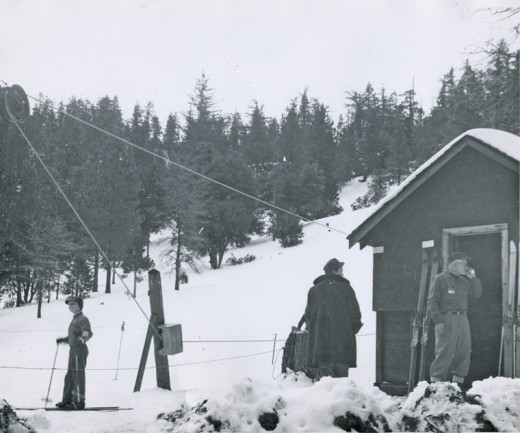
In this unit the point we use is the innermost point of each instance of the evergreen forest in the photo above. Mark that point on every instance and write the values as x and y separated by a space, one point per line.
211 180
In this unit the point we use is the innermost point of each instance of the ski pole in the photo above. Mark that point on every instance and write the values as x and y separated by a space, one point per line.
52 374
120 343
274 347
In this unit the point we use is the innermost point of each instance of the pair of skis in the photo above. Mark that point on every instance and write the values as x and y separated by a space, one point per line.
508 364
91 408
57 409
421 320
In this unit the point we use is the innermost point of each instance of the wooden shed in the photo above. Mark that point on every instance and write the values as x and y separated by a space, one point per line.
464 198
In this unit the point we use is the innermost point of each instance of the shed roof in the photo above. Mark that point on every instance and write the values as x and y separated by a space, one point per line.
499 144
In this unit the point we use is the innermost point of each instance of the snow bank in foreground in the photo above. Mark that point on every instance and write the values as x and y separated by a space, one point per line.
296 404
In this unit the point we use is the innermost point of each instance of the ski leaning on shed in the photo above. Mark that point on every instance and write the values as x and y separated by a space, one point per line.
434 269
509 338
516 325
429 264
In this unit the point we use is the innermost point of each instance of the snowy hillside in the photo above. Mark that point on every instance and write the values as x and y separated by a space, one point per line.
230 318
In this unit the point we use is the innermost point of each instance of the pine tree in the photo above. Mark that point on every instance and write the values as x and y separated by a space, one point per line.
171 137
107 188
229 217
323 150
236 132
257 146
146 132
502 88
290 134
186 212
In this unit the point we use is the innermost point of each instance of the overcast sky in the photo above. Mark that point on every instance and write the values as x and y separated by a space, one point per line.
267 50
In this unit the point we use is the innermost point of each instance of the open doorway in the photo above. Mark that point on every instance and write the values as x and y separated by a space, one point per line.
487 248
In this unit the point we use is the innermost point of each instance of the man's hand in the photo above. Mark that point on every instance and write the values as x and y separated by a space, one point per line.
470 273
61 340
84 337
439 329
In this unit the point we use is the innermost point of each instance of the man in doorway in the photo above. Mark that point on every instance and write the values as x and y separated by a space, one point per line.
333 319
79 334
448 306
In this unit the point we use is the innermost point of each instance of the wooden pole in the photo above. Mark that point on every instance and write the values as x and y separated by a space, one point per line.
156 303
156 320
144 355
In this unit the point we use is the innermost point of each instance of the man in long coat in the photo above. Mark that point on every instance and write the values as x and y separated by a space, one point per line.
333 319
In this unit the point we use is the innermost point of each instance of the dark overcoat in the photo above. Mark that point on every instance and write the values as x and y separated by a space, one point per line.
333 319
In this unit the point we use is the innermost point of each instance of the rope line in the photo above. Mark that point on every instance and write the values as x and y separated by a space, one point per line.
275 363
184 341
8 367
170 162
79 218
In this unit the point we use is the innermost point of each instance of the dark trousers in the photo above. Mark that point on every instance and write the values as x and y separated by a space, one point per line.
74 388
452 349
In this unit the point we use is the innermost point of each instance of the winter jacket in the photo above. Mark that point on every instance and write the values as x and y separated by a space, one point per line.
79 330
450 293
333 319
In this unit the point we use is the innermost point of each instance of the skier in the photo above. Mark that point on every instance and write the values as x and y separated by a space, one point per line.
79 334
333 319
447 306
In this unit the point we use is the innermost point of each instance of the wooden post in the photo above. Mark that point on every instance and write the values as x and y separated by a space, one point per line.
157 318
144 355
156 304
274 348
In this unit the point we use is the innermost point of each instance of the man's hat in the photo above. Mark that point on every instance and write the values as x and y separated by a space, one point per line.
457 256
75 300
332 265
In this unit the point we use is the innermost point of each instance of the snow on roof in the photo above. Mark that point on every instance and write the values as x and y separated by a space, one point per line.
504 142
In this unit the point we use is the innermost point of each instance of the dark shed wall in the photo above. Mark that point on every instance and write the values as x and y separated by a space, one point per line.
471 189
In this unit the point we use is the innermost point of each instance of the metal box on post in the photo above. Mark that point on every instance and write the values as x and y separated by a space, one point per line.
172 339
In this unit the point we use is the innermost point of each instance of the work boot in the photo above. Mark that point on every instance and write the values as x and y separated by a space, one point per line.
73 406
62 404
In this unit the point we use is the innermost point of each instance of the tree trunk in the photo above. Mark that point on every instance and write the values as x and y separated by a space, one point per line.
34 287
39 296
213 260
26 288
107 286
58 289
178 263
19 301
273 221
95 287
221 255
113 272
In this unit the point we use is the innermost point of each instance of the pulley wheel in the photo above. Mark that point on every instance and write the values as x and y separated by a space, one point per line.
14 104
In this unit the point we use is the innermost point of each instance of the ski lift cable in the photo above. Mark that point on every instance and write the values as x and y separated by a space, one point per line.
170 162
105 256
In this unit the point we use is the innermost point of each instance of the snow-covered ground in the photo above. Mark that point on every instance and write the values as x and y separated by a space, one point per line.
230 318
